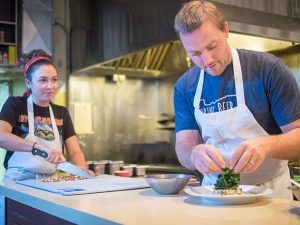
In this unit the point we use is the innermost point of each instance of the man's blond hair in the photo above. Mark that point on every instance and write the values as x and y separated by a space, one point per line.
194 13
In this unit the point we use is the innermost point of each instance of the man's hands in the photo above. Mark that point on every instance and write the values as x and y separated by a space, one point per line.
207 159
248 156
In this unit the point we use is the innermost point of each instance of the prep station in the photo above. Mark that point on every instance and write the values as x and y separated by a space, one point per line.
118 62
26 205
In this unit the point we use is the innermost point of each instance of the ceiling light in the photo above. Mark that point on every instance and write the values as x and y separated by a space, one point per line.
119 77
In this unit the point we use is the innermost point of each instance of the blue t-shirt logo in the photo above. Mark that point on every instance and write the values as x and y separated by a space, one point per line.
221 104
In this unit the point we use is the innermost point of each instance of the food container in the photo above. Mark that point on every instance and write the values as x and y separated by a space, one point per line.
99 167
113 166
89 165
122 173
139 171
129 168
168 183
296 170
295 187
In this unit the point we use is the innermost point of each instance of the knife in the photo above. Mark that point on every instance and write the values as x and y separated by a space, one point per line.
65 166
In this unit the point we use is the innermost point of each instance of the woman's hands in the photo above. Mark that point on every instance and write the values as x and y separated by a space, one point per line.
54 156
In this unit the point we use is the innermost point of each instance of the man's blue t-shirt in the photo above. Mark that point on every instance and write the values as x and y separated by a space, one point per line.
271 92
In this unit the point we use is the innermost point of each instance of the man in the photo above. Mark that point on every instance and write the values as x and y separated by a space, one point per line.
235 108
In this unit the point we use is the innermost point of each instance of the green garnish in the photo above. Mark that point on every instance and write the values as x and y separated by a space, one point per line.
228 180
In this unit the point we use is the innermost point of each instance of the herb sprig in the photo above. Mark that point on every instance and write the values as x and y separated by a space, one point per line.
228 180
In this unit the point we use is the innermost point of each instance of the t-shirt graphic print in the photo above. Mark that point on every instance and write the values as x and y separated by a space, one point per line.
221 104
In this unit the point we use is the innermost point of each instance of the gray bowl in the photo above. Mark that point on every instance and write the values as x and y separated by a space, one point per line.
168 184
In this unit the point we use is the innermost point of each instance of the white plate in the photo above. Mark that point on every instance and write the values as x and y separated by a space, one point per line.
207 195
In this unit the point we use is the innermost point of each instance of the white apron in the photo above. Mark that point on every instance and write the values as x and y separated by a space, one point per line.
24 165
225 130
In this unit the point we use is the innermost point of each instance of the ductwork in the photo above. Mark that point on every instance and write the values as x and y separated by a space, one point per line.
251 29
170 58
158 61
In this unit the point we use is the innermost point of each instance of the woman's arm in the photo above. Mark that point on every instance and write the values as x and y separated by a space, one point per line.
74 152
12 142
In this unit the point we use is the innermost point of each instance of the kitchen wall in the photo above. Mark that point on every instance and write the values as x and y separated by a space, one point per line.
293 62
123 113
7 88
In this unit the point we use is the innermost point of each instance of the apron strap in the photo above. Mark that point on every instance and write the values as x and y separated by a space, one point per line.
238 78
31 119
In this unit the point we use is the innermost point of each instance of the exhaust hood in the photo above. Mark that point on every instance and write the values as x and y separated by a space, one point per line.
168 59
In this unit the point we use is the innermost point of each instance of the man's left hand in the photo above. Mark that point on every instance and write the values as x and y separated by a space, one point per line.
247 157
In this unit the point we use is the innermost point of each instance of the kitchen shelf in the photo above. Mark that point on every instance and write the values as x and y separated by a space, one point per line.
8 43
8 32
8 22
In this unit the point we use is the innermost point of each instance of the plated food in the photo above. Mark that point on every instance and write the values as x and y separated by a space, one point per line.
207 194
227 190
228 183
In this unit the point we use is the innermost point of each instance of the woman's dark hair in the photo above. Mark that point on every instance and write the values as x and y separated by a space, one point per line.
33 60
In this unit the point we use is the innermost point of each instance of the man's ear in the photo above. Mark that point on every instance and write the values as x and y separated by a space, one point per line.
226 29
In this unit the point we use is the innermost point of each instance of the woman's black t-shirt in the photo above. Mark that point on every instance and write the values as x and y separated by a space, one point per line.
14 111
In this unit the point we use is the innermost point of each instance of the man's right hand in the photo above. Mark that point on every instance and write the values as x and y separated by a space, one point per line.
207 159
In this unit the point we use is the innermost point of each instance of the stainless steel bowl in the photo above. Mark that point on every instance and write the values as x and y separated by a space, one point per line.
168 184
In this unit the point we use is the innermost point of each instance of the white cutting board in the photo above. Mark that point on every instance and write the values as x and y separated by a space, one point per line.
102 183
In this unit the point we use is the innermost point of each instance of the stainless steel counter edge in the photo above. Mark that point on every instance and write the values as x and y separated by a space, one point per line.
51 207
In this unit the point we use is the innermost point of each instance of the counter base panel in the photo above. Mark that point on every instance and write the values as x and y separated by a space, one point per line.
20 214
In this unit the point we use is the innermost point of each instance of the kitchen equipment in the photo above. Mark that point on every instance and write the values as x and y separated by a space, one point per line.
99 167
207 195
295 187
139 171
102 183
296 170
168 183
122 173
113 166
89 165
65 166
129 168
72 169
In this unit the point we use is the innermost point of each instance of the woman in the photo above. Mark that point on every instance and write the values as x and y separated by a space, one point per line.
32 121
